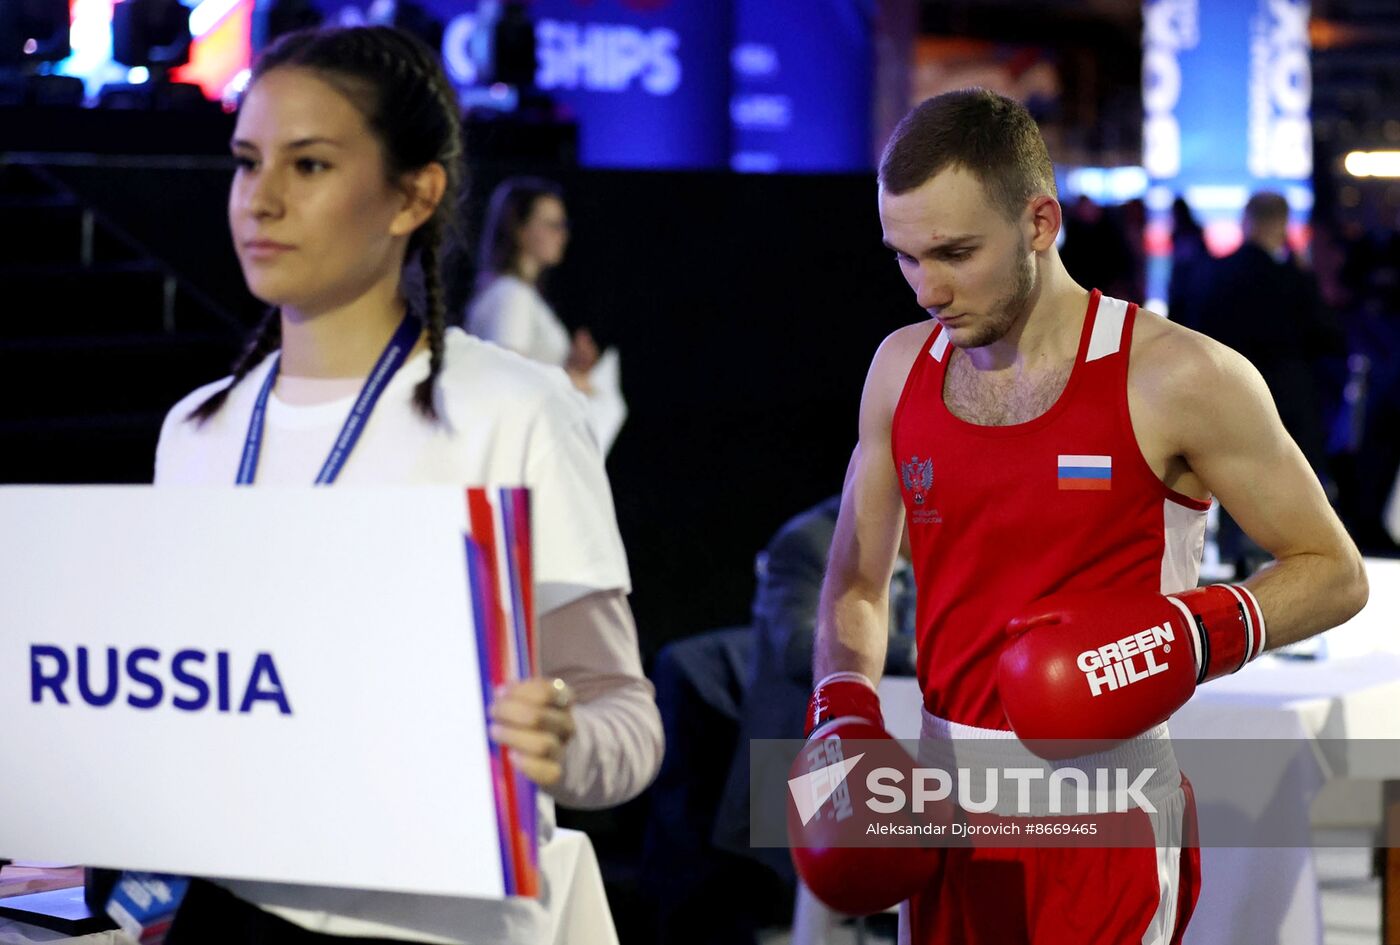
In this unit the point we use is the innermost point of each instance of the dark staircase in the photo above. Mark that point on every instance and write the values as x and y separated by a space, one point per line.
98 339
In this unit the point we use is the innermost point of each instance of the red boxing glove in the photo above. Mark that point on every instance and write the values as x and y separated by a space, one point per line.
841 868
1103 668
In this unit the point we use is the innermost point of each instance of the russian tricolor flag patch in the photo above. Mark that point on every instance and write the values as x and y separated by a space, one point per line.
1086 472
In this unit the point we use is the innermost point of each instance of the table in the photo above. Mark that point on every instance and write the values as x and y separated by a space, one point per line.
577 911
1271 894
17 933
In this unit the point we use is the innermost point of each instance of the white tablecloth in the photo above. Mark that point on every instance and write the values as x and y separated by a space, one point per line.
1270 894
578 912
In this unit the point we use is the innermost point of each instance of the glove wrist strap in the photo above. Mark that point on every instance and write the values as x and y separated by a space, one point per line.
839 694
1226 628
848 675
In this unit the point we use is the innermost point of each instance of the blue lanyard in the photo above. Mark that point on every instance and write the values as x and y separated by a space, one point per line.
405 337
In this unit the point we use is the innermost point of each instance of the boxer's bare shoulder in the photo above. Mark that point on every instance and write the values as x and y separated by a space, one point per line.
889 369
1186 391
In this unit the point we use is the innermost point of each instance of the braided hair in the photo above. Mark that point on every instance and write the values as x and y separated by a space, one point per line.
398 85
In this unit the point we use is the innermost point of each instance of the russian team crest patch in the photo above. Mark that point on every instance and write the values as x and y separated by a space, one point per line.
917 475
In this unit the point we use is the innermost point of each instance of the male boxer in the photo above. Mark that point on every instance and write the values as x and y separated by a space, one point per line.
1054 453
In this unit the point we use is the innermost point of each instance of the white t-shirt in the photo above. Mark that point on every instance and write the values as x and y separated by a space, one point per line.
504 421
512 313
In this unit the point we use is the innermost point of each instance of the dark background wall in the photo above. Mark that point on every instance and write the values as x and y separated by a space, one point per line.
746 310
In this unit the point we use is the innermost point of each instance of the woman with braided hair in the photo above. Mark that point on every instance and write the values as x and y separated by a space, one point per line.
348 157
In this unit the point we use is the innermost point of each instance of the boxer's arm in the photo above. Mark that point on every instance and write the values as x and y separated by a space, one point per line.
1223 420
853 613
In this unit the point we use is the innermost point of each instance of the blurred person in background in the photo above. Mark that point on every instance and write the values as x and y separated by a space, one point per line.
1096 250
1261 302
1189 257
525 235
1370 433
1132 216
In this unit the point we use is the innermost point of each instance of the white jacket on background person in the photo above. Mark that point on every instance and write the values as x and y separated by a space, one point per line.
512 313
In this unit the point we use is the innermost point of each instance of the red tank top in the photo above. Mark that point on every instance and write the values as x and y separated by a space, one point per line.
1001 516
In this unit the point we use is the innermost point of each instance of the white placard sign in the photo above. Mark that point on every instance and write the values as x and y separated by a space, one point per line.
297 693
